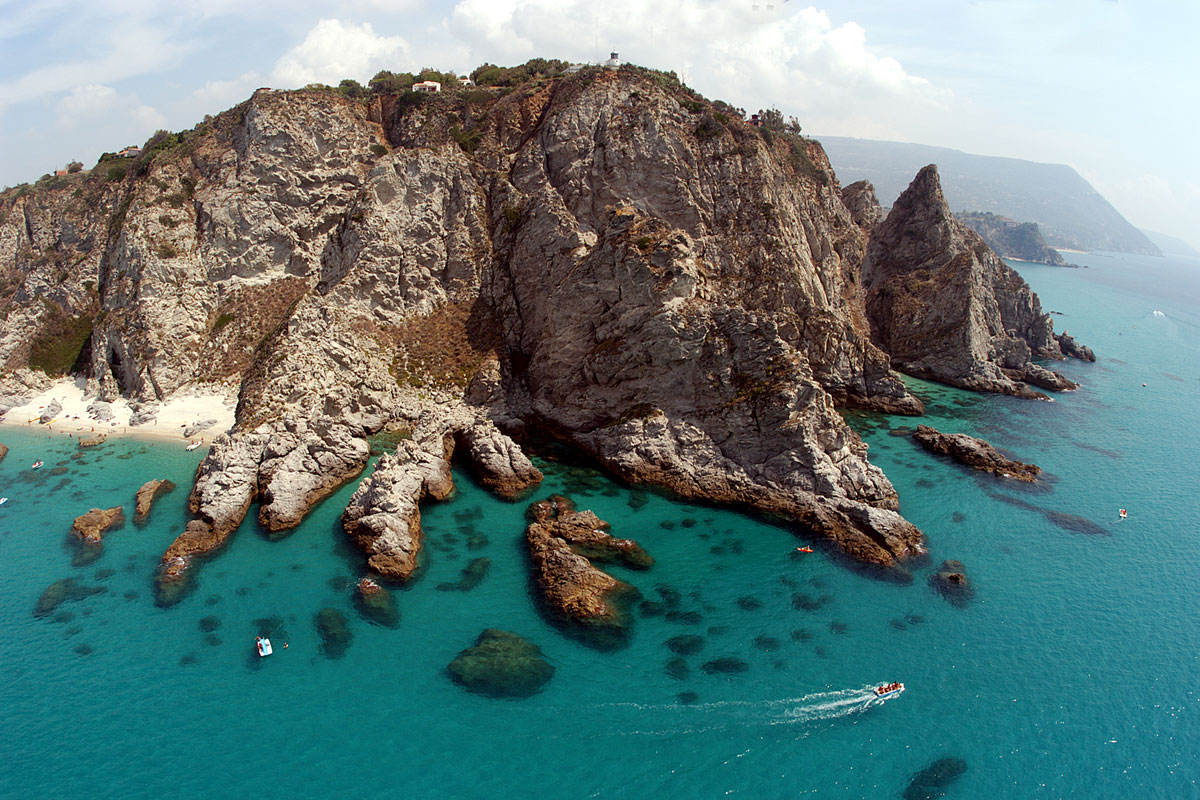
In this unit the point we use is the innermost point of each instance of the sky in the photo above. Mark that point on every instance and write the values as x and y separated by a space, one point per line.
1109 88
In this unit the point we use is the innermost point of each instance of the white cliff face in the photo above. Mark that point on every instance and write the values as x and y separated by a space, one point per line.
613 264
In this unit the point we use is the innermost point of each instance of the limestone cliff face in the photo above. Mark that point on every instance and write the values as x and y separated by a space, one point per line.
604 257
946 307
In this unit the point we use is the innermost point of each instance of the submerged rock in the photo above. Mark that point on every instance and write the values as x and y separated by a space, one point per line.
932 781
974 453
3 451
63 591
146 495
335 633
951 582
472 574
92 441
501 664
376 604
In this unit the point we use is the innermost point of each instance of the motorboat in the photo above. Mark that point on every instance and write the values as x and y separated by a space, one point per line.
264 646
37 465
3 500
804 549
888 689
194 445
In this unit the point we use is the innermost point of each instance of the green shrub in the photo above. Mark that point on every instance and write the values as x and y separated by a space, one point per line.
167 221
60 341
512 217
378 150
222 321
116 173
644 243
176 200
467 140
166 250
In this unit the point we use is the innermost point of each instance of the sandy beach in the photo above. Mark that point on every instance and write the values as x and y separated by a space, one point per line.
186 409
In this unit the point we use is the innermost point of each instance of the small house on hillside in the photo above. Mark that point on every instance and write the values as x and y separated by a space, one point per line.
59 173
465 80
130 152
613 61
427 86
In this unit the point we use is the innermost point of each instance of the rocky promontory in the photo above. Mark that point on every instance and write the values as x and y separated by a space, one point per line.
605 259
975 453
944 305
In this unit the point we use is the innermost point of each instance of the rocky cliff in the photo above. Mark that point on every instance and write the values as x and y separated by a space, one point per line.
945 306
1011 239
605 258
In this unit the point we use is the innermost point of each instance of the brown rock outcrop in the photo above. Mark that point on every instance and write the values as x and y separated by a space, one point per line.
974 453
146 495
92 526
945 307
92 441
583 599
1074 349
3 451
588 535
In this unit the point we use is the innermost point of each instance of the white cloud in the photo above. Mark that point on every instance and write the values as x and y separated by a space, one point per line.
751 55
95 104
217 95
85 101
332 51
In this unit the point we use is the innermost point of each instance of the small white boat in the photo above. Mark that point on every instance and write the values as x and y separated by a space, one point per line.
888 689
193 445
3 500
36 465
264 647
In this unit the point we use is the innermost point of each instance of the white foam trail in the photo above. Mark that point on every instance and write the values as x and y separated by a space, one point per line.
724 714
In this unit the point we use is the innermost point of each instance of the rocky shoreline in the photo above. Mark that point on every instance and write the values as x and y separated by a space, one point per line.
685 298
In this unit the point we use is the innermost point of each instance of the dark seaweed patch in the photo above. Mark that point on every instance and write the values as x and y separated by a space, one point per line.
766 643
685 645
726 665
932 781
748 603
677 668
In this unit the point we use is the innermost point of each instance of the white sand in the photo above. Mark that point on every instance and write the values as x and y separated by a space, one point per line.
186 407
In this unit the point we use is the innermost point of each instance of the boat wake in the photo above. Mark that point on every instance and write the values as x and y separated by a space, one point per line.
705 717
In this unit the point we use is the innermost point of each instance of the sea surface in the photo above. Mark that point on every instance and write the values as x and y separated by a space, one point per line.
1072 672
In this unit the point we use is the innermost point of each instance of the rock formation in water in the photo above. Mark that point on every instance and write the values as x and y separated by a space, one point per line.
945 307
588 535
575 594
501 664
605 258
974 453
92 526
146 495
951 582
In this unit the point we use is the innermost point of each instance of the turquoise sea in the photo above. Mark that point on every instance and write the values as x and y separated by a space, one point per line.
1072 672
